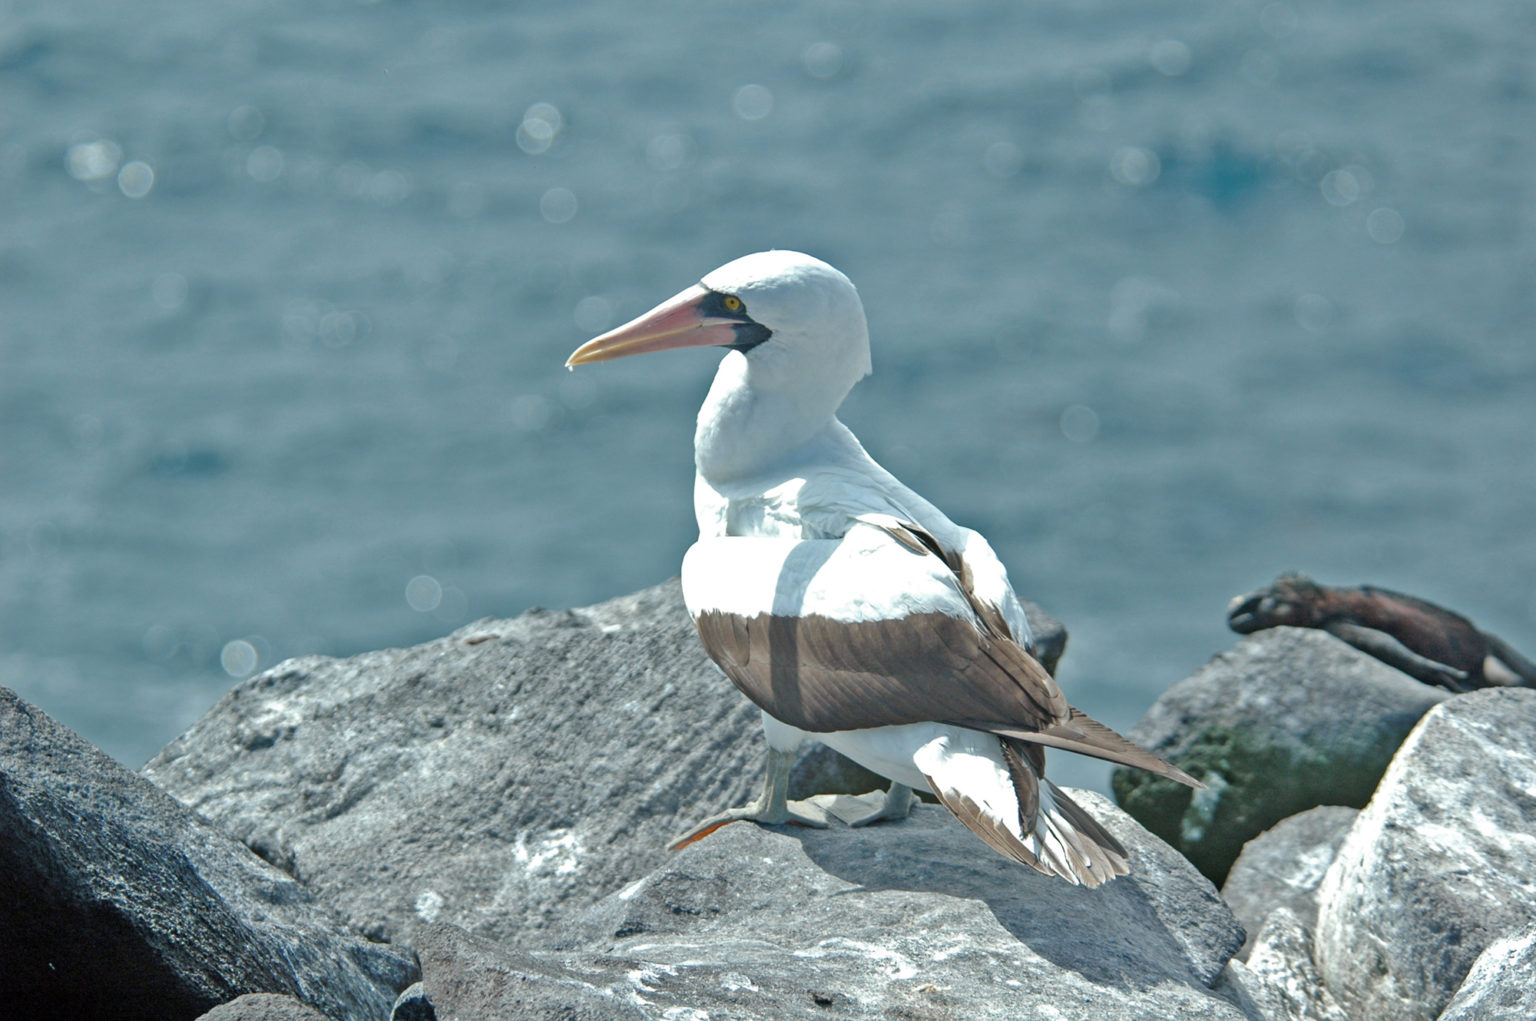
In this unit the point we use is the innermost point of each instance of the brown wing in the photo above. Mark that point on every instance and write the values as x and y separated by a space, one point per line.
821 674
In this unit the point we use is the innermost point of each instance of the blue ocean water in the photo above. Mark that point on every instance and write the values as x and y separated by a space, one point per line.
1166 298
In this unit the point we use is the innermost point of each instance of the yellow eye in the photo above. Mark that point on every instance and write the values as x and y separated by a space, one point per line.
732 303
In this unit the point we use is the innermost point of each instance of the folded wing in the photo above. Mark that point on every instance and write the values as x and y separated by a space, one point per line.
878 628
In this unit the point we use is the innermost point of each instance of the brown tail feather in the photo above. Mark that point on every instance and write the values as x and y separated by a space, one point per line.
1087 736
1086 825
991 830
1061 838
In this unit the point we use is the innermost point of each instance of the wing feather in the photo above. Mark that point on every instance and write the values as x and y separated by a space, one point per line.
881 628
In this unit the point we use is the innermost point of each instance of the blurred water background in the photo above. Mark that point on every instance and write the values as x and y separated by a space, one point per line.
1166 298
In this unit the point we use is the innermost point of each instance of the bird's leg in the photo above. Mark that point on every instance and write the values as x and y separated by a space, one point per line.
772 806
897 805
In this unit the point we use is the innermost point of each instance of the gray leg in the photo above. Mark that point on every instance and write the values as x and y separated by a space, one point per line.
897 805
772 806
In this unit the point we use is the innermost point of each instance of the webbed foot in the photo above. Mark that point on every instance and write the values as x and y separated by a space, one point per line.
896 805
771 807
801 813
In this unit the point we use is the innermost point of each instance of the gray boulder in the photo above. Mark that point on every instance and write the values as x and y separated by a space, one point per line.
1283 866
1500 983
116 901
910 919
496 778
1286 720
485 779
1439 866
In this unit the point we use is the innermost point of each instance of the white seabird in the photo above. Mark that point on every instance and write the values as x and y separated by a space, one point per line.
842 603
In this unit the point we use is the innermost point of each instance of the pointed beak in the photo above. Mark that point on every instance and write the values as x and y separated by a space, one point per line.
677 322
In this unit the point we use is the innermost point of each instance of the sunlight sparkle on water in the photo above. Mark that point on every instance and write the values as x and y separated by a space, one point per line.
93 161
423 593
670 150
1079 423
265 164
593 314
822 60
1134 166
1340 187
541 123
558 205
136 179
238 658
246 123
752 102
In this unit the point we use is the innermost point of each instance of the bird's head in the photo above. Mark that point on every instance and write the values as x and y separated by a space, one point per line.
796 320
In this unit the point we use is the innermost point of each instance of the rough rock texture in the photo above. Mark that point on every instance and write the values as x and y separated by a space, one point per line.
263 1007
413 1004
1440 865
115 901
1279 979
492 778
484 778
1286 720
1500 984
915 919
1283 866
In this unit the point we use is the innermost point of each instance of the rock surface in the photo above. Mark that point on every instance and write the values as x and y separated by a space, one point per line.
1500 983
483 779
495 778
1283 866
115 901
1280 978
263 1007
1440 865
1286 720
915 919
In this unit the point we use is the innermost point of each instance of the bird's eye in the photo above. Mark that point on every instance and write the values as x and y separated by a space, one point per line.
732 303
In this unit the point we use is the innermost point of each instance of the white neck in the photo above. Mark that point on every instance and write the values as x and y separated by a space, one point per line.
745 427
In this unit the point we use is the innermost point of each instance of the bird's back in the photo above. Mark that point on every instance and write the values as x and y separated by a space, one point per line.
822 490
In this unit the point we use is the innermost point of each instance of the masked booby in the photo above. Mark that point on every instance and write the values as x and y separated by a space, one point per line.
848 608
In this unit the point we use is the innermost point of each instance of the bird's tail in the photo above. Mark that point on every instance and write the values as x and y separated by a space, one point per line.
999 796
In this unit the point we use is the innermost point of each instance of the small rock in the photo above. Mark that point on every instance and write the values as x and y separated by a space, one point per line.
263 1007
1499 984
1283 866
414 1005
1440 865
1287 720
116 901
1280 978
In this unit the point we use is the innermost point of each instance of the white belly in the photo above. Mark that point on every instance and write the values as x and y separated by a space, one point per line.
903 754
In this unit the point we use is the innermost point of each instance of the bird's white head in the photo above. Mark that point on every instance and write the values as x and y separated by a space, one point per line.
812 313
799 343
